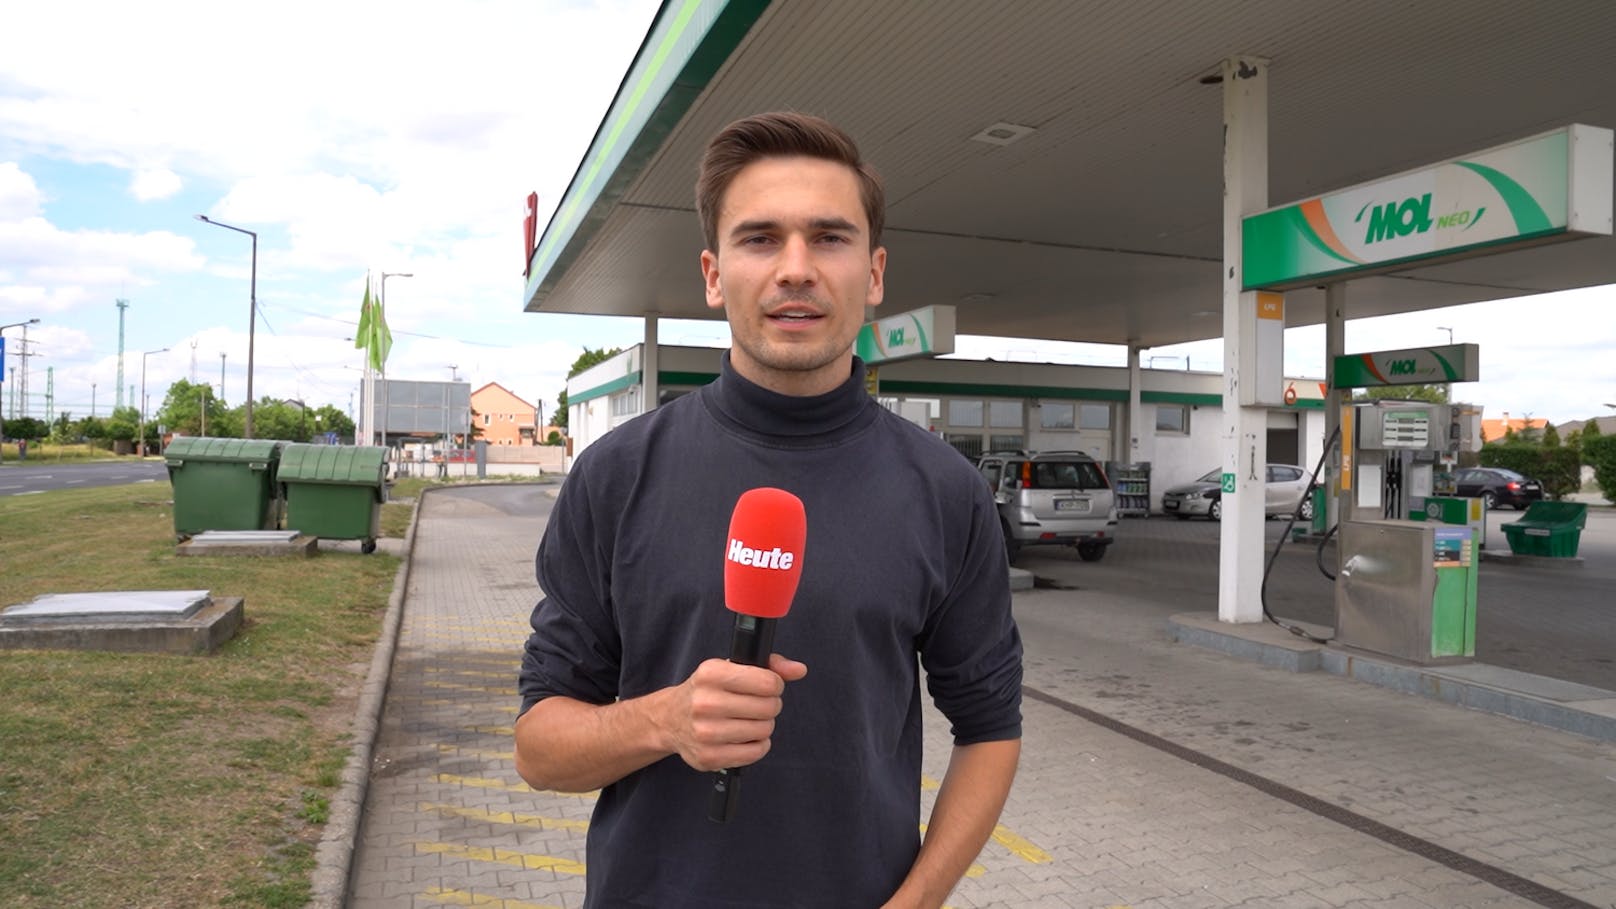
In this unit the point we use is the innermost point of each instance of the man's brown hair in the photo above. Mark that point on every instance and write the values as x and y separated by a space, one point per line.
781 134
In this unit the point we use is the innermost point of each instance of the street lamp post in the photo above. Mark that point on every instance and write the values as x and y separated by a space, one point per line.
252 319
1449 331
3 378
143 397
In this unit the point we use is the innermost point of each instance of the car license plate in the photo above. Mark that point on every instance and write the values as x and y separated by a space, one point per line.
1072 505
1531 487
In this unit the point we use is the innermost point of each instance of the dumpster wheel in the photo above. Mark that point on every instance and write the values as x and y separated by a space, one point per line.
367 547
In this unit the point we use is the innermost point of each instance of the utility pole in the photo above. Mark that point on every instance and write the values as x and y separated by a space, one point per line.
221 377
92 399
122 306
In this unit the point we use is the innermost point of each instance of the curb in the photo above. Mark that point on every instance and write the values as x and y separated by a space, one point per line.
333 859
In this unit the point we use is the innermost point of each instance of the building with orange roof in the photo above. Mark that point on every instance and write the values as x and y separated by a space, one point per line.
1495 430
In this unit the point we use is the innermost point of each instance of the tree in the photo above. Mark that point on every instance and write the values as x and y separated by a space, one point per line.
590 357
1591 429
124 424
328 418
192 410
1551 436
555 439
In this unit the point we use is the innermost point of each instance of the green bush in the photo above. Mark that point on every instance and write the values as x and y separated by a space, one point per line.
1599 452
1558 469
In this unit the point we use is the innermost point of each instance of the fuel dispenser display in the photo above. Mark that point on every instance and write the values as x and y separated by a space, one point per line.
1407 583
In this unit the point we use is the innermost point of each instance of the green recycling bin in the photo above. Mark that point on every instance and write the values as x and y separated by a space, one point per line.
335 492
223 484
1552 529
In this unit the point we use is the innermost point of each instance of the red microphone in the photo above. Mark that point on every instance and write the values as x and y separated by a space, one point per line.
762 565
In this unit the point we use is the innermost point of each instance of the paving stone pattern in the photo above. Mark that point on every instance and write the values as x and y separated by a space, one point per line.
1097 819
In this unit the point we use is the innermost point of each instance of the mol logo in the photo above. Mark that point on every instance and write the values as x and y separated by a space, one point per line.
1402 367
895 338
1396 219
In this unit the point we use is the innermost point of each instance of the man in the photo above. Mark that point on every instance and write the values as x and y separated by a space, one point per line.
622 685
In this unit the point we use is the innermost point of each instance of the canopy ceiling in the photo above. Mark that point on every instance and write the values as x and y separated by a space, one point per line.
1104 223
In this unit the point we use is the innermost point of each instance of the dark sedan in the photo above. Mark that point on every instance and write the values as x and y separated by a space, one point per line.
1499 488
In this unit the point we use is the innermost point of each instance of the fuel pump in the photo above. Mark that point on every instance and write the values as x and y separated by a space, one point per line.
1406 586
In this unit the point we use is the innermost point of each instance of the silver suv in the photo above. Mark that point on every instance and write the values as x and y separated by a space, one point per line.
1051 498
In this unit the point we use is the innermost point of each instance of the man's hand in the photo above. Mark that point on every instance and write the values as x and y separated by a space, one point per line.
723 715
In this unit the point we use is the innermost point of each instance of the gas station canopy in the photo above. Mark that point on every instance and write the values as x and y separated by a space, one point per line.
1054 169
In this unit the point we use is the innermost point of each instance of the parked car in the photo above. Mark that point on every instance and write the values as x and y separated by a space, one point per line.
1052 498
1288 486
1497 487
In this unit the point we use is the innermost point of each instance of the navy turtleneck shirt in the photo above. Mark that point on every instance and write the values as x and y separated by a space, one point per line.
903 570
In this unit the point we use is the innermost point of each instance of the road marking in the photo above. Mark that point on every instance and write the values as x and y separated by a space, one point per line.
31 492
483 782
12 486
507 817
1020 846
71 482
532 861
462 898
484 689
504 731
477 752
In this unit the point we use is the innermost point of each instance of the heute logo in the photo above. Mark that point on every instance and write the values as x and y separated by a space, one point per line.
776 558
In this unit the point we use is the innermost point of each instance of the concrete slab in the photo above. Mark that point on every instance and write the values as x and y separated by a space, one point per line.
122 606
1020 579
1567 706
216 621
249 543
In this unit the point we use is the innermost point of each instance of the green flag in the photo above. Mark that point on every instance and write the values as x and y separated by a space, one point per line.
373 335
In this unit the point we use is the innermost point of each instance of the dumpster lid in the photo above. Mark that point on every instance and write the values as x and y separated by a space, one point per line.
202 448
357 465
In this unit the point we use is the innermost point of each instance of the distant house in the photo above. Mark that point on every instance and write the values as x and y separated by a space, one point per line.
1607 426
502 418
1495 430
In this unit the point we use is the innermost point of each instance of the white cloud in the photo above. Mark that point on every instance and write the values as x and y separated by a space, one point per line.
19 196
156 183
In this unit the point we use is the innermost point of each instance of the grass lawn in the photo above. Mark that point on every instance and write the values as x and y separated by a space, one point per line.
138 780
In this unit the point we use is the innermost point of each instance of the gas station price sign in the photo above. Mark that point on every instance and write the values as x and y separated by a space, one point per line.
1406 429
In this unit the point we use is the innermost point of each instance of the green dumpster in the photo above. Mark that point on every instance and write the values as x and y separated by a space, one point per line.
223 484
1552 529
335 492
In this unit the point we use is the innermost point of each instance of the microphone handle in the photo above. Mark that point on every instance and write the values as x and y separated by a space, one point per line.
751 645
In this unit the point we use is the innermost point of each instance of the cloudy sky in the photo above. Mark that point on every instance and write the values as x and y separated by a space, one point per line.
404 137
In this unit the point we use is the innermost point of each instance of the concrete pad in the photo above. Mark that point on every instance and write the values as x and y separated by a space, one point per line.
1020 579
202 631
249 543
1264 642
1505 557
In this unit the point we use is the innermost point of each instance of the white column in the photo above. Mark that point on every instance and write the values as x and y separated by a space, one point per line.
649 365
1245 421
1131 450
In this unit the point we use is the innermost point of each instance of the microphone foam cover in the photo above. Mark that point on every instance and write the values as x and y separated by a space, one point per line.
763 554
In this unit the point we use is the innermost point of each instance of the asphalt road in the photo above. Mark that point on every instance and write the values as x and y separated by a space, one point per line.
1549 620
28 478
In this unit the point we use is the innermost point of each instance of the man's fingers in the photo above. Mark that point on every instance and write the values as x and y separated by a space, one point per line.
786 668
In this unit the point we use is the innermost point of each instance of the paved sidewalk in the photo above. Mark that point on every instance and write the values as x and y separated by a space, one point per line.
1154 774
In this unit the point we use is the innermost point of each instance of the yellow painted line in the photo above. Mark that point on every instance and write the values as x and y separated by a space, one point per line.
532 861
1020 847
511 709
483 782
507 690
515 641
462 898
510 818
927 784
477 752
492 730
477 673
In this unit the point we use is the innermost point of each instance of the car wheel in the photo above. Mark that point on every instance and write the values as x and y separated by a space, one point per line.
1307 508
1215 512
1519 506
1488 500
1090 551
1011 547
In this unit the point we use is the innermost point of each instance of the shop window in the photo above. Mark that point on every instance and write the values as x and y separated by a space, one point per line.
965 413
1057 415
1094 416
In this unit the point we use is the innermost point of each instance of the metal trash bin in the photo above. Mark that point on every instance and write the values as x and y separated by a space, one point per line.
1552 529
335 492
223 484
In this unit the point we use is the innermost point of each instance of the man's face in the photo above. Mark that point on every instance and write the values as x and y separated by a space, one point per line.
793 272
